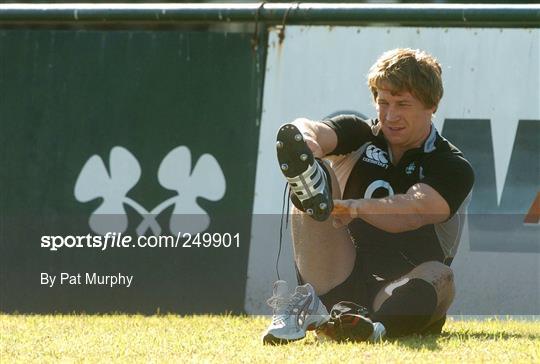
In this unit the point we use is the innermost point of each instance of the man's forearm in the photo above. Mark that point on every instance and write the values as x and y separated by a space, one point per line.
393 214
421 205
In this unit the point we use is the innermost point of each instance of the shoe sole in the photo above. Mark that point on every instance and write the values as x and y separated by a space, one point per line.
291 147
270 339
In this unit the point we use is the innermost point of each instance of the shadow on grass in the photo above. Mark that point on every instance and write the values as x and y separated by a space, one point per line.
434 342
419 342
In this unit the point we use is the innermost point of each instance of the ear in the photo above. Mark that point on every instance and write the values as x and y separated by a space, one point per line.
434 108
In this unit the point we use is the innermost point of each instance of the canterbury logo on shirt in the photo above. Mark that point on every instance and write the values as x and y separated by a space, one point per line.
376 156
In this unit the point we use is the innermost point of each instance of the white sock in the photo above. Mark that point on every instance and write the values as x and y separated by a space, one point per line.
378 332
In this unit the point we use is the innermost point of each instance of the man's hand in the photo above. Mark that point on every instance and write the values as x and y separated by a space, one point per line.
344 212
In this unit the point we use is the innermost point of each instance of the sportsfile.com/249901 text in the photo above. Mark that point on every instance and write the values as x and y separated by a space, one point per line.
119 240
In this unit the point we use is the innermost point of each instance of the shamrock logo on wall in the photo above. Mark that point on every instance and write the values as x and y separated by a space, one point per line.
205 180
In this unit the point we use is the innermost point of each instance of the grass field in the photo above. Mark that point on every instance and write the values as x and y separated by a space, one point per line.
169 338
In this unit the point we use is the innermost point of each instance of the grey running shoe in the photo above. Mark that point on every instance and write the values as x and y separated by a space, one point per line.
294 314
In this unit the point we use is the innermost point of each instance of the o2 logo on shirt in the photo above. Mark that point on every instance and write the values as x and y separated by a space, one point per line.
375 185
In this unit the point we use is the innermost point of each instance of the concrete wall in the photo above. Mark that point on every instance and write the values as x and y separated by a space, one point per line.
491 78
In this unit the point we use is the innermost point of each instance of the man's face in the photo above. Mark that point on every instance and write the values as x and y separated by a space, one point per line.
405 121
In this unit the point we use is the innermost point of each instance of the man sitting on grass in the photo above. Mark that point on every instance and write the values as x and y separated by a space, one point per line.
380 221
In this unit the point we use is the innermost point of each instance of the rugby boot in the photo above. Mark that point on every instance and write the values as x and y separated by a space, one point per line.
309 181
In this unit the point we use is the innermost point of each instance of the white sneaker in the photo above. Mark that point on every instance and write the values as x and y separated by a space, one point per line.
294 314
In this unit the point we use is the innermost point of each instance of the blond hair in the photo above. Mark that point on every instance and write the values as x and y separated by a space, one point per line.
405 69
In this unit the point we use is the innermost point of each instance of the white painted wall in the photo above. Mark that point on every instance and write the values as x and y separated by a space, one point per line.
487 73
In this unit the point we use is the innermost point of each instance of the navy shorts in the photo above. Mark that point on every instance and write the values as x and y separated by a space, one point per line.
370 274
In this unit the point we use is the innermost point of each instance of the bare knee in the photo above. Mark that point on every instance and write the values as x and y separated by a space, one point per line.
440 276
433 272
